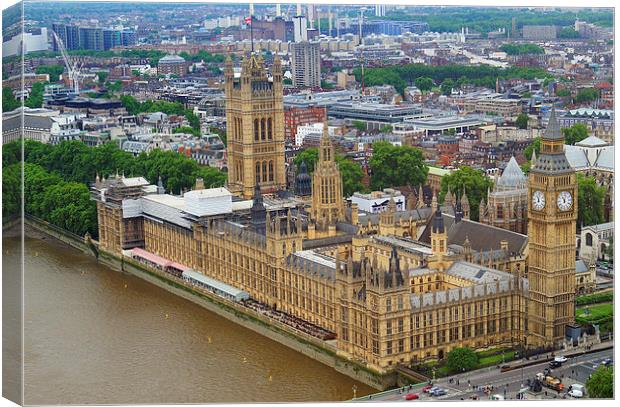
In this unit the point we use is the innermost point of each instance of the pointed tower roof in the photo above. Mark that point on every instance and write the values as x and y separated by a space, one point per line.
438 224
512 177
553 131
464 198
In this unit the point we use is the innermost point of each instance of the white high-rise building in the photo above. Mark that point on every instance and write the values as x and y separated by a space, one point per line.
306 64
380 10
300 26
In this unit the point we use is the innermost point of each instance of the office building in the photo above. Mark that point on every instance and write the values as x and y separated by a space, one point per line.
306 64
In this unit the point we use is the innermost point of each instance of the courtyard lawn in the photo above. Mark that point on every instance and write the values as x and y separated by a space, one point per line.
600 314
496 359
595 312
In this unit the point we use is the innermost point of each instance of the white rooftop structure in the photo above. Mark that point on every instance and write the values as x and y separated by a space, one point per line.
512 178
590 153
205 202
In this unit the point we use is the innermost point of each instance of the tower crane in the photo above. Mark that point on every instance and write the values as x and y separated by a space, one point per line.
72 66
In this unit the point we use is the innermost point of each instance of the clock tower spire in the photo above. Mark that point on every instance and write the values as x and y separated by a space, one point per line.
552 219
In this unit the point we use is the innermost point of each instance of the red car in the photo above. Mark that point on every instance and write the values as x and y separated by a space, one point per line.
426 388
412 396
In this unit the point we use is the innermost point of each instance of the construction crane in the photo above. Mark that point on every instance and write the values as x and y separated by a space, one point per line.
72 66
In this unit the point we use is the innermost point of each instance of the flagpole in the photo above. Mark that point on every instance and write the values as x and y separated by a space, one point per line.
252 32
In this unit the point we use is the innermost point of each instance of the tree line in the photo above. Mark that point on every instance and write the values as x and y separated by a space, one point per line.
401 76
66 170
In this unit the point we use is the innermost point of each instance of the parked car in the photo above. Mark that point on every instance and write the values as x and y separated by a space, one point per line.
505 368
560 359
439 392
412 396
427 388
575 393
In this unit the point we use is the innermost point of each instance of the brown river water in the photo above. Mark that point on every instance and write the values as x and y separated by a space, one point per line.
94 335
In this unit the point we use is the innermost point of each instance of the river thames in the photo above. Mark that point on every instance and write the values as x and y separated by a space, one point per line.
94 335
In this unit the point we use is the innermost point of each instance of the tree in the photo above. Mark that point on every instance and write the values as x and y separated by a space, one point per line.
470 181
533 146
359 125
114 86
446 86
11 190
575 133
522 121
563 93
54 71
586 95
9 103
525 167
35 99
393 166
568 32
350 171
424 84
101 76
462 359
185 129
352 175
601 384
386 129
591 201
212 177
310 156
521 49
327 85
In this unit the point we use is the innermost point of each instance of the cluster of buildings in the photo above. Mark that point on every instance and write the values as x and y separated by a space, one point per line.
76 37
394 278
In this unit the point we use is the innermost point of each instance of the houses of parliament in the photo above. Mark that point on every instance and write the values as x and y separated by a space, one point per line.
401 286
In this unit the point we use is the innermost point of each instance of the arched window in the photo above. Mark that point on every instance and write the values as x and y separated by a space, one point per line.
255 129
257 172
264 171
588 239
262 129
270 170
269 129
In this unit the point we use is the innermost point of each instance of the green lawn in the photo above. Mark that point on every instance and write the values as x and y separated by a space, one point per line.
600 314
496 359
595 312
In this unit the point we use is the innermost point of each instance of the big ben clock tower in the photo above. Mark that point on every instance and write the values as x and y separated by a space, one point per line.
552 217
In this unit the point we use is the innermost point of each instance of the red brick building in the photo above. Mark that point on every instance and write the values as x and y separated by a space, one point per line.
297 116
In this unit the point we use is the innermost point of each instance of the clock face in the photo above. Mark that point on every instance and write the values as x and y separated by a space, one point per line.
565 201
538 200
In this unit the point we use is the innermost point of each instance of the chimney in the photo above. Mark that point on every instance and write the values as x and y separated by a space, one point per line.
200 184
503 244
354 214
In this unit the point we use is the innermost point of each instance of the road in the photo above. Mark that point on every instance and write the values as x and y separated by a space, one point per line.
576 370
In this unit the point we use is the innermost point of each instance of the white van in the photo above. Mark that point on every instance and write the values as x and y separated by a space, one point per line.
579 387
575 393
